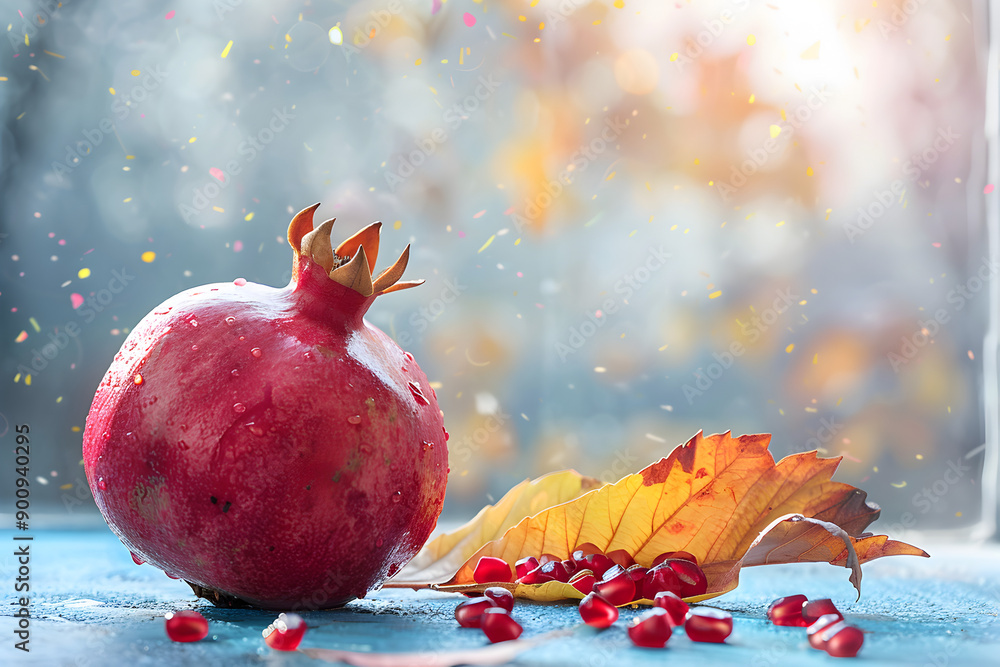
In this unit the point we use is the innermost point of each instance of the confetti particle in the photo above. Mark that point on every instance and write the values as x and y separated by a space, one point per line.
21 337
170 15
751 40
619 4
674 56
336 35
83 273
148 256
600 369
812 53
752 98
488 242
435 6
988 189
791 346
479 215
715 295
34 324
237 246
397 224
136 72
225 51
218 174
809 171
111 90
469 19
76 300
775 131
899 485
972 356
249 216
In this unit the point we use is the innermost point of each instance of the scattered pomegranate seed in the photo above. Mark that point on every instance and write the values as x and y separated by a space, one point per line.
469 613
693 581
499 626
584 550
501 597
682 555
583 581
845 642
285 633
677 608
816 631
525 565
658 579
490 569
597 563
788 611
813 609
536 576
705 624
598 612
621 557
651 630
186 626
555 569
616 586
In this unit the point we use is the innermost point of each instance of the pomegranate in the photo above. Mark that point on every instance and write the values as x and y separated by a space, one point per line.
266 444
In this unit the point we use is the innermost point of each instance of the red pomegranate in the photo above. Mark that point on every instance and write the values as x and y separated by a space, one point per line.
268 445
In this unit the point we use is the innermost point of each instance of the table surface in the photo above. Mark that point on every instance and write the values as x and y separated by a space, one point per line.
91 605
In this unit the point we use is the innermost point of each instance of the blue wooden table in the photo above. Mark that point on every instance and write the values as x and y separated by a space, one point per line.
91 605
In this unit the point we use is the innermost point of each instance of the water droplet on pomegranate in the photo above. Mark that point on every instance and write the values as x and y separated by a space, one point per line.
235 373
240 282
426 445
138 378
106 435
136 559
239 408
417 394
101 484
256 352
194 348
194 322
243 337
354 419
396 497
408 356
256 430
171 576
393 569
181 445
307 356
230 320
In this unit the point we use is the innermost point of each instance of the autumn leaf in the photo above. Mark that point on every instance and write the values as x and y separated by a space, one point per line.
722 499
443 556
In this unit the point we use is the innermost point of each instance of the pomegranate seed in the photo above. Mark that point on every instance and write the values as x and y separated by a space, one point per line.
536 576
705 624
469 613
570 565
582 552
675 555
547 558
597 563
621 557
845 642
677 608
816 631
651 630
693 581
788 611
500 597
499 626
658 579
583 581
597 612
186 626
813 609
525 565
556 570
285 633
616 586
490 569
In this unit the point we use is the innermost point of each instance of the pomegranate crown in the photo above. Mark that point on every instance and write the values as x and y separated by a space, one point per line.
351 264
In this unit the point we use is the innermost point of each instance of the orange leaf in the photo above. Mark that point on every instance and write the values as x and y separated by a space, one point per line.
722 499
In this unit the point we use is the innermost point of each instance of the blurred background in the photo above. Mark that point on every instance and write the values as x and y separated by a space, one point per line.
636 219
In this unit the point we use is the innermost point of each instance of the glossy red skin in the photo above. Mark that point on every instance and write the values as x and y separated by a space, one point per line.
186 626
313 511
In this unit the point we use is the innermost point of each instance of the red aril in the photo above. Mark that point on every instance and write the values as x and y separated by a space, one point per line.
525 565
676 555
658 579
285 633
816 632
677 608
598 612
273 453
788 611
616 586
185 626
556 569
813 609
490 569
651 630
499 626
500 596
582 551
536 576
845 642
621 557
469 612
693 581
704 624
583 581
597 563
